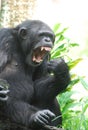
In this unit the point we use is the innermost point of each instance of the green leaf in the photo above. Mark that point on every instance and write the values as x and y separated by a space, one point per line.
84 83
56 27
58 47
85 108
73 82
74 44
62 32
55 54
61 38
69 106
65 98
72 64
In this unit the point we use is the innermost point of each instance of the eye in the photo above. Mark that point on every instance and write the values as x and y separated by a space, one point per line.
47 39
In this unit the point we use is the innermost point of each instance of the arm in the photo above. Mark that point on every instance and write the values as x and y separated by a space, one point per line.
49 86
61 73
21 111
5 45
28 115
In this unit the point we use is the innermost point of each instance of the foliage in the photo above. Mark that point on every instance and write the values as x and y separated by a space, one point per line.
73 110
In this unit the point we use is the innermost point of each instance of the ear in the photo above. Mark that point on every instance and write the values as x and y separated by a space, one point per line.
23 32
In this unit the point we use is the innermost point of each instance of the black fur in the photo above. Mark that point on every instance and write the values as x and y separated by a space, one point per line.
33 89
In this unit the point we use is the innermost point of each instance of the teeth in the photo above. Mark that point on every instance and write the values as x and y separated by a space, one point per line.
37 60
34 59
42 48
45 48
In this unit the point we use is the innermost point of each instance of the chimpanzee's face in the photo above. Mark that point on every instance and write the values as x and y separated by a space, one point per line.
38 40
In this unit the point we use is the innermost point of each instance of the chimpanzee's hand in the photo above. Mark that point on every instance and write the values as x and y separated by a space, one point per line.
57 66
3 94
41 118
3 90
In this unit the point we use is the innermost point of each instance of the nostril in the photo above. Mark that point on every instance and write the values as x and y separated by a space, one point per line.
47 39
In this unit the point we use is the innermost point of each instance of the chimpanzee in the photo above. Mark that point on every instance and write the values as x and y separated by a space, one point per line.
34 80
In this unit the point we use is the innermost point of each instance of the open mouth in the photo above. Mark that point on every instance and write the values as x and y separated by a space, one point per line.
39 54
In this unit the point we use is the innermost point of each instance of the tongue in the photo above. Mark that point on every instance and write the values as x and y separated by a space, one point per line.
38 59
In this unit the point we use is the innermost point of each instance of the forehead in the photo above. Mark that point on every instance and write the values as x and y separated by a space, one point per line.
36 27
40 27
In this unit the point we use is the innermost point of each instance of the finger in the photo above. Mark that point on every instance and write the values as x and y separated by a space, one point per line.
1 87
45 116
43 119
52 64
4 92
39 121
51 67
4 99
50 114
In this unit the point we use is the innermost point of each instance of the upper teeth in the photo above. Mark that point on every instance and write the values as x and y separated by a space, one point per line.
45 48
42 48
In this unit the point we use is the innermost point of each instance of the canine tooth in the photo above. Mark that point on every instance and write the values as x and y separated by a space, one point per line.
42 48
34 59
